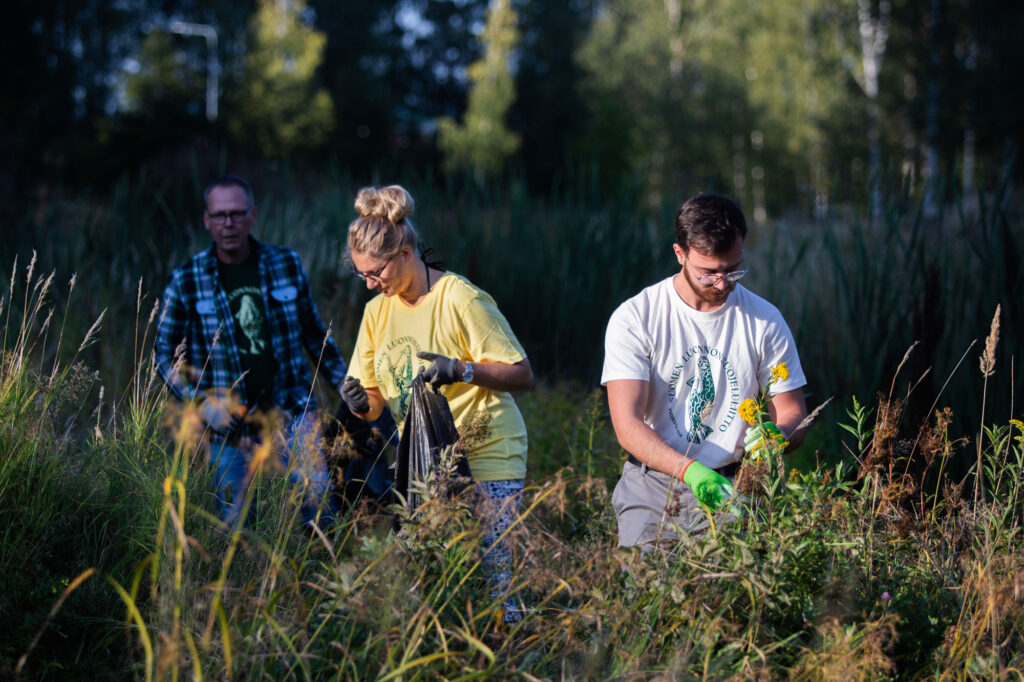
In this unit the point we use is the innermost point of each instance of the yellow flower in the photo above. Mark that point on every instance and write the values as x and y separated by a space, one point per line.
1020 431
748 411
780 372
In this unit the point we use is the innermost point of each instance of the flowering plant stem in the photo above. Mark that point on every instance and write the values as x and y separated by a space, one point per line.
765 439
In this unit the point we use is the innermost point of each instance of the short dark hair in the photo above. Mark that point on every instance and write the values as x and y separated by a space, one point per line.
709 223
229 181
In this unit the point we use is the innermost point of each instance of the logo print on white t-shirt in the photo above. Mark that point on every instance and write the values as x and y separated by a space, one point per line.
700 402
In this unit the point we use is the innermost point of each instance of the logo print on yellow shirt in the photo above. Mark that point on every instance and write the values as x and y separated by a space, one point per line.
395 370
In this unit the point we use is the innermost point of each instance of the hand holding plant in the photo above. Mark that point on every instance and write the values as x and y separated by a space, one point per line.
763 438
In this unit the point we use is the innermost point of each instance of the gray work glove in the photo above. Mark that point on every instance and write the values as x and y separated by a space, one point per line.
216 415
442 370
354 396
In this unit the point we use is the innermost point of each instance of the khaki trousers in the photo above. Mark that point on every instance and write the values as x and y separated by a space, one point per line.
654 509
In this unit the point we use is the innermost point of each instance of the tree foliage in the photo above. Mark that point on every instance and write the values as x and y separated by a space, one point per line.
482 142
279 107
168 85
726 95
759 99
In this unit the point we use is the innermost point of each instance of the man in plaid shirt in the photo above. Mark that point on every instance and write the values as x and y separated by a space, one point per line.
237 326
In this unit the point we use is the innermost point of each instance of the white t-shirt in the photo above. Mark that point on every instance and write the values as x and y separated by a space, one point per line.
693 360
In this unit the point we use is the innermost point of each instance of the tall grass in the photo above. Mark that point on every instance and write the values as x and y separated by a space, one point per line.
827 577
856 294
880 561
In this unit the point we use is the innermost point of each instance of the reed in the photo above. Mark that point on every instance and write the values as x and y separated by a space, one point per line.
881 558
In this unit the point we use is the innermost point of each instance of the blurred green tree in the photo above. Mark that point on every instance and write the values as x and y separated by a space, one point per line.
278 107
482 142
730 96
167 86
660 106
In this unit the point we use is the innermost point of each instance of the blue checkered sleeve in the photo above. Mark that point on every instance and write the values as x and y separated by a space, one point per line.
195 349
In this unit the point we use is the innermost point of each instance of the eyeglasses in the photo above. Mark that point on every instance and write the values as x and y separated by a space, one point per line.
372 275
711 280
221 218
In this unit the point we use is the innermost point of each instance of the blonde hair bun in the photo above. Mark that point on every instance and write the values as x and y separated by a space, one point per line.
392 203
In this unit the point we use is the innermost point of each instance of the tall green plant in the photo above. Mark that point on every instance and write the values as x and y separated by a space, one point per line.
482 143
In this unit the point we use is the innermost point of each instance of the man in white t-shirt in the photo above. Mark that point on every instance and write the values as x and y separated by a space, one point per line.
680 357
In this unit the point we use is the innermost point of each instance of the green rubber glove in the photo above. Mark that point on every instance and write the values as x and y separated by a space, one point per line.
711 488
757 437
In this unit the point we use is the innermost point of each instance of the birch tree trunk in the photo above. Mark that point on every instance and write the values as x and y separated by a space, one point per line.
931 152
967 181
873 35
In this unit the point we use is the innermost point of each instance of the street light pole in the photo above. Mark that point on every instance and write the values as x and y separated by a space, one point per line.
212 63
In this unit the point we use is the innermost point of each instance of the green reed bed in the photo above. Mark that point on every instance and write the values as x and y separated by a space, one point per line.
115 567
856 294
889 558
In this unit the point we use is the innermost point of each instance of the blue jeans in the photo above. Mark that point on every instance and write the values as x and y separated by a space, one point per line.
298 449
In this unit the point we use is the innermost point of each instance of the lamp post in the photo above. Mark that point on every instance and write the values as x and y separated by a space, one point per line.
212 64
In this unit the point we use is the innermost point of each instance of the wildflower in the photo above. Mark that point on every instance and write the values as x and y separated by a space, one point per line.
768 444
749 410
886 597
1020 431
780 372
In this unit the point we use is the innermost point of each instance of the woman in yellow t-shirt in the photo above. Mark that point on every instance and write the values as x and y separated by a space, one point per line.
427 318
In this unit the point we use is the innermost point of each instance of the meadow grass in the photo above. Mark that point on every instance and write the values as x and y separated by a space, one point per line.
872 557
855 294
852 571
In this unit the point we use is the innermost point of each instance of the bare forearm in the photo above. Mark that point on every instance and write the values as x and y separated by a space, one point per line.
788 410
643 442
500 376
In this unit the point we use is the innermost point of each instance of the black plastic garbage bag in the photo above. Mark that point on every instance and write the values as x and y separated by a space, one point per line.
366 475
428 432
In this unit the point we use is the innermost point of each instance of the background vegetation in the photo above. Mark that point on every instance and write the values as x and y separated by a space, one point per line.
880 551
547 144
880 565
780 104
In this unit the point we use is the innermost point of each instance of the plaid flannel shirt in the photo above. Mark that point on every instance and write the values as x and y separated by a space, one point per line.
196 314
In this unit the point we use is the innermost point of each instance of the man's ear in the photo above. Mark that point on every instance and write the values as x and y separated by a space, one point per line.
680 254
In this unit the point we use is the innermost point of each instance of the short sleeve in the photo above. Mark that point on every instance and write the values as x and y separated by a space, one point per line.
627 347
488 335
779 347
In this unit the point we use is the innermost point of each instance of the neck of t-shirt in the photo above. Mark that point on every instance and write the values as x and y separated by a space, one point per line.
680 288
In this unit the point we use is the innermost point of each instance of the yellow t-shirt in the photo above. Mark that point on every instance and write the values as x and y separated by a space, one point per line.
458 320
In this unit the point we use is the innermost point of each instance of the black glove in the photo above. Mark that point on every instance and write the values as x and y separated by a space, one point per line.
442 370
217 416
354 396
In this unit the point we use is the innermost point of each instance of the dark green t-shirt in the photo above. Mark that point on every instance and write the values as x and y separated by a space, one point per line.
241 284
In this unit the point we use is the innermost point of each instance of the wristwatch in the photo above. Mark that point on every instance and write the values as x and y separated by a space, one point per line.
467 373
